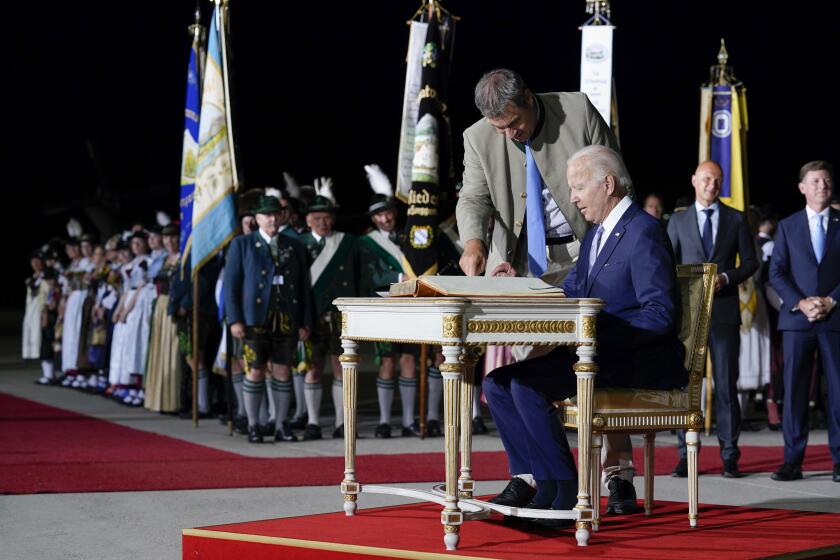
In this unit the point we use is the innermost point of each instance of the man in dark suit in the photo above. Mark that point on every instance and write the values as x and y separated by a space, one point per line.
269 306
627 261
709 231
805 271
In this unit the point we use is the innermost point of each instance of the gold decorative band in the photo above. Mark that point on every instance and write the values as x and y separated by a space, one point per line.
695 420
598 422
497 326
451 528
585 366
349 358
451 368
582 525
350 497
452 326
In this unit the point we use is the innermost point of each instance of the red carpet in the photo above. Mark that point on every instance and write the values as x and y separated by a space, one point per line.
47 449
414 531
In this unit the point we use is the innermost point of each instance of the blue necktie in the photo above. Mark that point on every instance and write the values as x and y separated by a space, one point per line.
534 213
708 241
818 239
593 251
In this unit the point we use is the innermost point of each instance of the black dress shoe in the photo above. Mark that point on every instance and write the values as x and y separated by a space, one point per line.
411 431
311 432
267 430
297 423
731 470
788 472
681 470
240 424
383 431
478 426
433 428
622 500
835 474
284 434
254 435
517 493
338 433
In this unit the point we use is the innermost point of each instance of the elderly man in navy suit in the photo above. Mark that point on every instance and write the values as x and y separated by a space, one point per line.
269 306
805 271
627 261
710 231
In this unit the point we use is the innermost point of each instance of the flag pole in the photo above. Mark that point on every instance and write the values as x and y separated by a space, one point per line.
195 352
222 25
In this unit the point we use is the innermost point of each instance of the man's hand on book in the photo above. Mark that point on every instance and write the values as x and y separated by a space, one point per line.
504 269
474 258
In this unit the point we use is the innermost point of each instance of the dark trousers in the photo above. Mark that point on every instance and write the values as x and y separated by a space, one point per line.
799 349
520 397
724 346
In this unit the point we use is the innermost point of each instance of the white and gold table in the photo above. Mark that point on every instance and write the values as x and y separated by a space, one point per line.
459 325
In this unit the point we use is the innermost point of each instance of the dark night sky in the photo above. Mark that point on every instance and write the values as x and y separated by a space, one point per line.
317 90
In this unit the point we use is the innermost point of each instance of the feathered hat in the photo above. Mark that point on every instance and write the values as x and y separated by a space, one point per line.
383 192
324 200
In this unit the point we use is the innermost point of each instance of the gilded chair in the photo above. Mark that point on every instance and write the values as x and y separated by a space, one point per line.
645 411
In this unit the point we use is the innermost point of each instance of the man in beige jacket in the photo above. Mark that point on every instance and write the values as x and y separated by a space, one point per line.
552 127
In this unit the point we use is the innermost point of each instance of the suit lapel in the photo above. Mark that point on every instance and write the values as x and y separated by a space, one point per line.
804 233
616 235
693 230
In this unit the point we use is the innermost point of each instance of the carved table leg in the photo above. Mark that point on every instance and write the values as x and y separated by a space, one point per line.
650 440
452 371
595 468
466 485
692 442
585 370
349 367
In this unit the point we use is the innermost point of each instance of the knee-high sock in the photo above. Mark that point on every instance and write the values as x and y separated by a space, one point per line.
476 407
281 392
48 368
338 401
300 400
435 393
203 383
237 391
263 416
253 393
313 391
408 390
272 413
385 393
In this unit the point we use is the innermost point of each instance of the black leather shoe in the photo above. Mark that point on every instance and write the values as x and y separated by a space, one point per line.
297 423
731 470
478 427
267 430
411 431
284 434
254 434
311 432
622 500
240 424
517 493
338 433
788 472
433 428
681 470
383 431
835 475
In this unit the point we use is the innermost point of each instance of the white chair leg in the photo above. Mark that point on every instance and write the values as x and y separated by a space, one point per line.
692 441
595 480
650 440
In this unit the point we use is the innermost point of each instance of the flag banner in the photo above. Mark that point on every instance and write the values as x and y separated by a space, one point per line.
411 104
214 213
596 55
725 146
705 123
190 151
432 171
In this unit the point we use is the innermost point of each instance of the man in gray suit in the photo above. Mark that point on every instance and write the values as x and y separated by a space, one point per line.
709 231
518 127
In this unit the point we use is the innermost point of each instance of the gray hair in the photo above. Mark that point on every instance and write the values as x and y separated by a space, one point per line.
602 161
498 88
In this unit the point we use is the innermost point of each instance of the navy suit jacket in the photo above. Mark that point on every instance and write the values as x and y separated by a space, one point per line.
733 239
249 271
635 275
795 274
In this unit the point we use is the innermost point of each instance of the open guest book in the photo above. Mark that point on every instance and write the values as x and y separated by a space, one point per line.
477 286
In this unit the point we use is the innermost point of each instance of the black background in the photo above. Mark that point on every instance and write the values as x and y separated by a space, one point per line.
317 90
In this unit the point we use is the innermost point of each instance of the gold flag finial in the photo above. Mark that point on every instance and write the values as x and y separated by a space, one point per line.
723 55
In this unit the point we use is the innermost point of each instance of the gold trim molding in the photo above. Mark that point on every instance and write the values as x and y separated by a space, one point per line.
349 358
498 326
453 326
344 323
588 326
585 366
451 368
